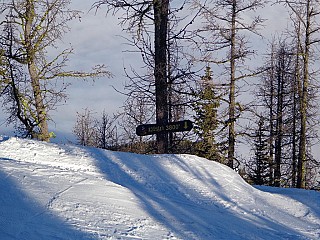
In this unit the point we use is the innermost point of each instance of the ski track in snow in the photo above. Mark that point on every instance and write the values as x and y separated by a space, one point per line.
54 191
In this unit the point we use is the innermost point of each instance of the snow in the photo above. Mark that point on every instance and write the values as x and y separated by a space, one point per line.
51 191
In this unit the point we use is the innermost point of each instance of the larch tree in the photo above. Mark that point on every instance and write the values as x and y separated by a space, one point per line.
283 77
275 96
226 42
151 24
266 98
30 30
305 18
137 15
279 94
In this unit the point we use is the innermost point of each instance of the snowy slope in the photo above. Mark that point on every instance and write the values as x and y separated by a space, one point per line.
53 191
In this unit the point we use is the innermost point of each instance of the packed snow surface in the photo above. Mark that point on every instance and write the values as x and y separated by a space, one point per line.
51 191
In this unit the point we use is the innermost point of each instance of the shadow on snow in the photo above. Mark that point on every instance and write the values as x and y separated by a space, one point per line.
297 195
23 218
179 207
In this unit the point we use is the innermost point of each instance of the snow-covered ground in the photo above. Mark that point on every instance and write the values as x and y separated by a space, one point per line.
50 191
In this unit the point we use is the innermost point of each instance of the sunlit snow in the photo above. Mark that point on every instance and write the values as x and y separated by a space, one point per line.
51 191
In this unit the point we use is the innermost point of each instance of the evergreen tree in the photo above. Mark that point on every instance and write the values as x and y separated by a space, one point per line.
261 164
206 121
226 36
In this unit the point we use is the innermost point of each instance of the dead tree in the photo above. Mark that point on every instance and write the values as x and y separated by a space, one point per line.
224 35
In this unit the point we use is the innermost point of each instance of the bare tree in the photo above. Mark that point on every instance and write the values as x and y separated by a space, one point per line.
84 128
138 14
152 25
30 29
226 44
106 132
137 110
305 17
279 93
283 77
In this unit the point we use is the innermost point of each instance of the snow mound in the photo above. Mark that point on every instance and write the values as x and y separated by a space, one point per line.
51 191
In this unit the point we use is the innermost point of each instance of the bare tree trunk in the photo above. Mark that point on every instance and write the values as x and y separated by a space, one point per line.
232 106
294 135
296 93
225 21
279 123
271 113
302 156
43 134
160 70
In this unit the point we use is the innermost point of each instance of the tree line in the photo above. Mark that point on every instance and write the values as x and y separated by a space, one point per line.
195 65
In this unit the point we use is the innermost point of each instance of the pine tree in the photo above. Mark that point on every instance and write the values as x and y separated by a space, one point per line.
206 121
261 163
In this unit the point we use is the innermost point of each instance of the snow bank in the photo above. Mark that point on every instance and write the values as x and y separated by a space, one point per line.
51 191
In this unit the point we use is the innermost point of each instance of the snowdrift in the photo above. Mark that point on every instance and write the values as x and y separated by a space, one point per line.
50 191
